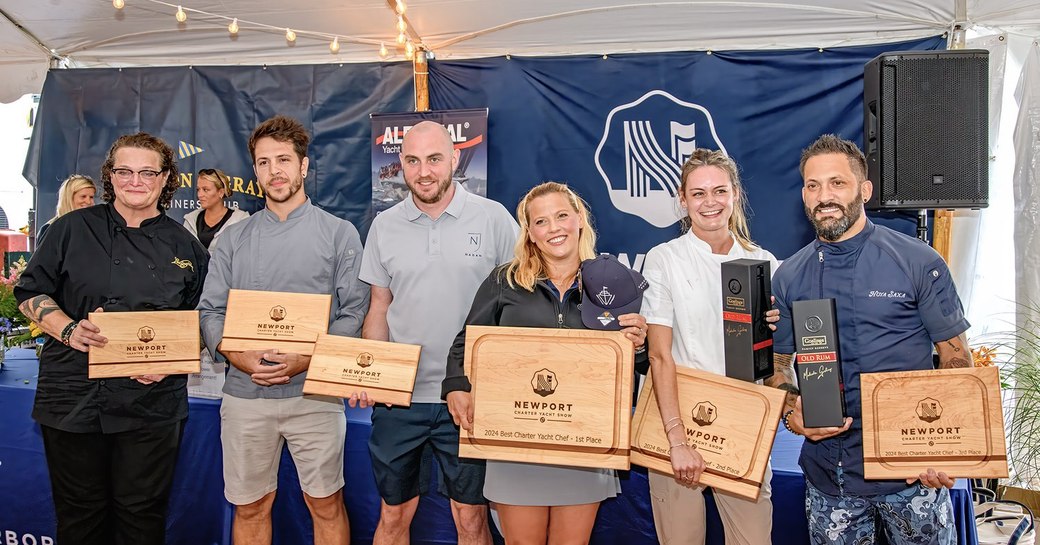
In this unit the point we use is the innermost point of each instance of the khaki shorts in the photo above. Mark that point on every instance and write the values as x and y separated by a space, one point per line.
252 432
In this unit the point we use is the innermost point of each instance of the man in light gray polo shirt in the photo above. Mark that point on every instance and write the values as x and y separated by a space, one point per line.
290 246
424 259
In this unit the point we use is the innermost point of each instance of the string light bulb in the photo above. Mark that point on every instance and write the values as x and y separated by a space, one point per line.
409 50
181 15
400 7
290 36
401 25
233 27
401 38
383 52
334 46
118 4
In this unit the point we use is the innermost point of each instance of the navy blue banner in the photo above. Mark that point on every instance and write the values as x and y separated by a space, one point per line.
617 129
207 114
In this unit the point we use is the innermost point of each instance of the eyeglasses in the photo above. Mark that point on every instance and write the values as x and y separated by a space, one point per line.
125 174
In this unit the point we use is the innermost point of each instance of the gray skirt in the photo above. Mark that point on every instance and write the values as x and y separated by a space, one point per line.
516 483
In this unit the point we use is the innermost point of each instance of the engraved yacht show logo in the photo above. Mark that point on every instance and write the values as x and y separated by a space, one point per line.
704 413
544 382
644 146
365 359
929 409
146 334
277 313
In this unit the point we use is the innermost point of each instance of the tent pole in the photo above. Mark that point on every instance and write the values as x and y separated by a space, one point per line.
421 80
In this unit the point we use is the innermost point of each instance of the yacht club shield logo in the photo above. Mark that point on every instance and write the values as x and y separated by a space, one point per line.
644 146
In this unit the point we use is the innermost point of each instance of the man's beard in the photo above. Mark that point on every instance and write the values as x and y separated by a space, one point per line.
442 188
294 188
832 229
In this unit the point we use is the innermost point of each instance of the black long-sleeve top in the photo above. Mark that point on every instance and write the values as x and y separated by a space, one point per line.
91 259
497 304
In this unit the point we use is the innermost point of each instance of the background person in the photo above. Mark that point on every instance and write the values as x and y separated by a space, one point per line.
212 216
206 223
850 261
683 308
77 191
112 444
539 503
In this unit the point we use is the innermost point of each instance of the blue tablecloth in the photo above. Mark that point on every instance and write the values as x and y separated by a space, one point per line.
199 514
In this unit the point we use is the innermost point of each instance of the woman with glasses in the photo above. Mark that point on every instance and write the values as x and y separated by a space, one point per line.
77 191
111 444
212 216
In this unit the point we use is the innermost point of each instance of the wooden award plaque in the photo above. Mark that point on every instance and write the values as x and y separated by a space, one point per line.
732 423
551 396
262 320
145 343
950 420
341 366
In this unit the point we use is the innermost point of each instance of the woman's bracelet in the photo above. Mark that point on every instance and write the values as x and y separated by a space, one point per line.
788 424
66 334
682 444
673 426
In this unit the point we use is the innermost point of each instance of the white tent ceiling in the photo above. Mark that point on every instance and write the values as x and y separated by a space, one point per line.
37 34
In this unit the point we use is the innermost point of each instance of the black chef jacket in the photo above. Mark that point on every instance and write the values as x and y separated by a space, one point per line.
91 259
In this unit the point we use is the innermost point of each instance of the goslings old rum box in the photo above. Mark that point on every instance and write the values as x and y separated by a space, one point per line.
746 290
818 363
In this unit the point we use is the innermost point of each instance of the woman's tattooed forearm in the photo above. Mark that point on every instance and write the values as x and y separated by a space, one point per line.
37 308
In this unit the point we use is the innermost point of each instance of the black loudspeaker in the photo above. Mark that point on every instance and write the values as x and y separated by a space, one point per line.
926 129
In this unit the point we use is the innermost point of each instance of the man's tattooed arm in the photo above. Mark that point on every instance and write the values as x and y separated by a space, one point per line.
784 378
954 353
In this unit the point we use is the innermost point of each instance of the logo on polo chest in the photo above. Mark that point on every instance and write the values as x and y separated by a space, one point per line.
473 243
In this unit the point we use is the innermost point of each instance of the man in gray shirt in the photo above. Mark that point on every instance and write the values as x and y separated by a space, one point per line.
425 258
290 246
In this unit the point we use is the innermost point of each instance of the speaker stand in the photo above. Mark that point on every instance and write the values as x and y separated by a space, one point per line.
922 225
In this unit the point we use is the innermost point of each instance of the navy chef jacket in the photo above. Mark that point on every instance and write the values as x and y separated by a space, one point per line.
894 298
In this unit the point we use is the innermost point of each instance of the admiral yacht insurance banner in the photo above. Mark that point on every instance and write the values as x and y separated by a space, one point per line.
468 132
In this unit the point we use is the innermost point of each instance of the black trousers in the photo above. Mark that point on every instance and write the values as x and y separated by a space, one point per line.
112 489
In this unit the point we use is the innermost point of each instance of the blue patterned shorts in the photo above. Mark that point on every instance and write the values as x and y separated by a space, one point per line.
918 515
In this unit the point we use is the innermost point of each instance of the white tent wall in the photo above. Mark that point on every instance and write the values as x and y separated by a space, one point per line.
1026 192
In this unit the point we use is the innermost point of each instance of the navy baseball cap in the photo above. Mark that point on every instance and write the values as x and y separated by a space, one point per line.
609 289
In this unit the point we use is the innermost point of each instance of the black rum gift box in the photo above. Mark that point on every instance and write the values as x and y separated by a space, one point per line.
745 300
818 363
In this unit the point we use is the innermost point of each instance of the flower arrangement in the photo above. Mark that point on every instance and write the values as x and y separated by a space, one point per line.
15 328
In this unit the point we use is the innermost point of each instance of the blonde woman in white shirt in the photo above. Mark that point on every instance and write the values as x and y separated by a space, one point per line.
683 308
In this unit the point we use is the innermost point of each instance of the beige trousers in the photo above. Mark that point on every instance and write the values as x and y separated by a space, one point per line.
680 518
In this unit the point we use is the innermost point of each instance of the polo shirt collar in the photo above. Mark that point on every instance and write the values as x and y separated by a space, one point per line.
458 202
846 246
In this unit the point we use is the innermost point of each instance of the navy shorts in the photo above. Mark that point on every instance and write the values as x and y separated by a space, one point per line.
401 438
